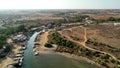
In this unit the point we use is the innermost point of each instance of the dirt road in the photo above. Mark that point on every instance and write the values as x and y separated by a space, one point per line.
43 38
84 43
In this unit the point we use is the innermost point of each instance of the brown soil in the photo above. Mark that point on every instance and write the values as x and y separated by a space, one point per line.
105 34
43 38
84 44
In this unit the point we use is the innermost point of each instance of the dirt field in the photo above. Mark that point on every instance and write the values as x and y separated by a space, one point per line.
98 33
75 32
105 34
104 15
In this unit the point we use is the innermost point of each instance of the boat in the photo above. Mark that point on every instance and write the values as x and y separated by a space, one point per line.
36 43
36 53
19 55
20 64
20 52
21 59
24 47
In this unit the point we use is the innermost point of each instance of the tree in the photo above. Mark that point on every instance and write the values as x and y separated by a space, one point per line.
21 28
48 45
105 56
111 19
2 40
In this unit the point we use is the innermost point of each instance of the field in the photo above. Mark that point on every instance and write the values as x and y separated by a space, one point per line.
105 33
74 33
104 38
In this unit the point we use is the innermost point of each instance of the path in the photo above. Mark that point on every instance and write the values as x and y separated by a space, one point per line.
43 38
84 44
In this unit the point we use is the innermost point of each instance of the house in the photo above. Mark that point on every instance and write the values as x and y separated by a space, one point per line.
19 37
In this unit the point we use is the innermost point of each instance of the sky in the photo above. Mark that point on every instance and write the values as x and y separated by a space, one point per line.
59 4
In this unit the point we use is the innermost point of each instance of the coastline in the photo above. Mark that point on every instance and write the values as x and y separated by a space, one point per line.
44 50
9 60
80 58
42 39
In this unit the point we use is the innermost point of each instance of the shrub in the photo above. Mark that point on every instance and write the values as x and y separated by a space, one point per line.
75 38
56 38
105 56
112 60
2 55
100 62
48 45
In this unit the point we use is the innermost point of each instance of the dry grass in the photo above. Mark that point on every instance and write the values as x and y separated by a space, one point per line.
74 32
105 34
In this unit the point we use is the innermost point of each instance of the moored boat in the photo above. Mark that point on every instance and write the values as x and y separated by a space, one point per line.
36 53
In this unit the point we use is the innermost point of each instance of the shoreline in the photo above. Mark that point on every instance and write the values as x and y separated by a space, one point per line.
44 50
80 58
9 59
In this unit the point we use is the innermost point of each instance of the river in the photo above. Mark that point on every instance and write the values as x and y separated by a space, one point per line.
49 60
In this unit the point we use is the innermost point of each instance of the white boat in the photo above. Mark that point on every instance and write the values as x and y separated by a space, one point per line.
36 53
24 48
20 60
20 64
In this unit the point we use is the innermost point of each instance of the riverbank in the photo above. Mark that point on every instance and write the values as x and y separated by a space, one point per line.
80 58
8 60
16 48
44 50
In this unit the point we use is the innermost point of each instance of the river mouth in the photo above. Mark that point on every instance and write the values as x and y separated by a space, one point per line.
51 60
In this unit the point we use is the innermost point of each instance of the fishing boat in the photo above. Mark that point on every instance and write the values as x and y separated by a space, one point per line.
36 53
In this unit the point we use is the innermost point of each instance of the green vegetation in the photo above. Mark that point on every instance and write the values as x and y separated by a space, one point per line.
56 24
2 40
48 45
113 19
57 39
102 46
105 56
110 19
112 60
5 52
10 30
99 62
65 45
29 21
95 43
2 55
4 33
81 18
75 38
20 28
